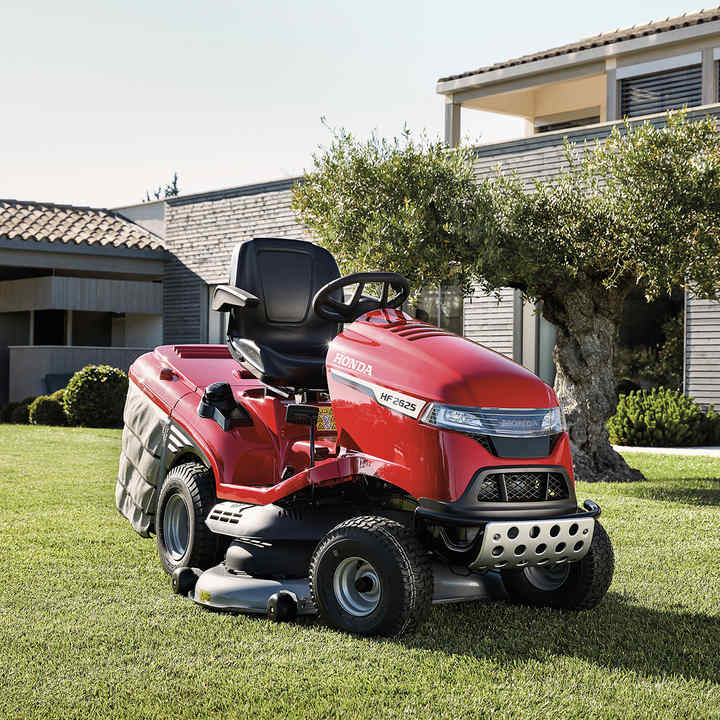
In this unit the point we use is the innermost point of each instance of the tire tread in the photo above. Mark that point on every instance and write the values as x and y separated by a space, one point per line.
414 564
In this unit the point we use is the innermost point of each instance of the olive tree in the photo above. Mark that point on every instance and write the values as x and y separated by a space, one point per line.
639 209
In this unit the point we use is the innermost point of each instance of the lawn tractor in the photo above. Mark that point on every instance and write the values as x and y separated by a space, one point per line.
341 458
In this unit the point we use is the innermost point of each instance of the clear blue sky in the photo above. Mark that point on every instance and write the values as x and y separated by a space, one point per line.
101 100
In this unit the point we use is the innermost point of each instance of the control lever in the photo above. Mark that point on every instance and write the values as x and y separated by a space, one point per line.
298 414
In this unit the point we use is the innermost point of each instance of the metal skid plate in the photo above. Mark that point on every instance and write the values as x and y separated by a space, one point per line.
223 590
528 543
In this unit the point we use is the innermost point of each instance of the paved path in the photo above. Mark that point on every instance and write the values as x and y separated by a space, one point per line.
705 451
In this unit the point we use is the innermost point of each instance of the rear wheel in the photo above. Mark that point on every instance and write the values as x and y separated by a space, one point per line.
575 586
370 576
183 539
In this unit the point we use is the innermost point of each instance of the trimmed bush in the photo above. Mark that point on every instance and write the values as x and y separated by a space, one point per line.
662 417
46 410
6 411
95 396
20 412
58 395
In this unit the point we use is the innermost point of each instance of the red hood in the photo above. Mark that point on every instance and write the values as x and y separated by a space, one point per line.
393 350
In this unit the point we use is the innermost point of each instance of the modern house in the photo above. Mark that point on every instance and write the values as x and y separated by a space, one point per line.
123 280
77 286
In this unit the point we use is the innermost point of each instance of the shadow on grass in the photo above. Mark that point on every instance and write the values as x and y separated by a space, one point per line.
696 496
615 635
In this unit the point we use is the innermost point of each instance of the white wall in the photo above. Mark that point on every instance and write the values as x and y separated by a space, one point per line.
149 215
143 330
137 330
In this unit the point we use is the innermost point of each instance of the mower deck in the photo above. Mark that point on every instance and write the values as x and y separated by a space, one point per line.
222 589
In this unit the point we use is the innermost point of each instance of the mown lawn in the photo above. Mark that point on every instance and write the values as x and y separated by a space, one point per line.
89 628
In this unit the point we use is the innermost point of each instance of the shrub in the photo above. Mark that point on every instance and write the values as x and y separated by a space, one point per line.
46 410
58 395
662 417
95 396
19 412
6 411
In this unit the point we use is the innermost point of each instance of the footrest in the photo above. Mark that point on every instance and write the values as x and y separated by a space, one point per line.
524 543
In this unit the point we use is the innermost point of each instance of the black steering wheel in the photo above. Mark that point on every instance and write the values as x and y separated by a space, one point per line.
326 306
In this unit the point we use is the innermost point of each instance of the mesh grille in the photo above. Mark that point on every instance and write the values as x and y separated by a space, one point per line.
489 489
525 487
557 487
522 487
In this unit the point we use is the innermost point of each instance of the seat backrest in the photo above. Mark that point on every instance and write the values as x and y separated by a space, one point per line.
284 275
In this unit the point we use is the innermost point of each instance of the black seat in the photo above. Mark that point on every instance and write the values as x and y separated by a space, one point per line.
272 329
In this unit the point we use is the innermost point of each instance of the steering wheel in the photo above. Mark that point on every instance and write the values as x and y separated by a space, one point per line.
326 306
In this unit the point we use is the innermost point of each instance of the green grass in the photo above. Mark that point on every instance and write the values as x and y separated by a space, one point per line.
89 627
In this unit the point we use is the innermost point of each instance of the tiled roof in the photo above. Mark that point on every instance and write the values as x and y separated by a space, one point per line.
69 224
608 38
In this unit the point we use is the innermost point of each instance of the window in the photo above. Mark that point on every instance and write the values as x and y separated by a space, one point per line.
441 306
661 91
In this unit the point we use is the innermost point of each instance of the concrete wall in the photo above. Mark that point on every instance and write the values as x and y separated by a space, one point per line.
137 330
29 365
150 215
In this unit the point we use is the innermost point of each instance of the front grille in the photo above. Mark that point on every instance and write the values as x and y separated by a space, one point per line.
522 487
526 487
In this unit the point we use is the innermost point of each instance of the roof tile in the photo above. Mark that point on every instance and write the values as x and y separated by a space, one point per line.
28 220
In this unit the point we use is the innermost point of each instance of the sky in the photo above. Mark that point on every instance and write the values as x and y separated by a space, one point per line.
104 100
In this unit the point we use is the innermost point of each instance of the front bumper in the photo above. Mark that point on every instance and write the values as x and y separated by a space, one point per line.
438 513
533 543
517 542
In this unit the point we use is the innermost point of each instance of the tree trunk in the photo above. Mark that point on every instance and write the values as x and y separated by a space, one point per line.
585 381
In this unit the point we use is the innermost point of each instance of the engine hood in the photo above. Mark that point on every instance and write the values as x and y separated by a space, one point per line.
390 349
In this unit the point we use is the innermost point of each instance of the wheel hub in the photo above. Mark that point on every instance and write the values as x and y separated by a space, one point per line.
176 526
357 587
549 577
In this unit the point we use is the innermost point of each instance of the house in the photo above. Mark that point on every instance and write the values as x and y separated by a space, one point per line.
148 271
78 286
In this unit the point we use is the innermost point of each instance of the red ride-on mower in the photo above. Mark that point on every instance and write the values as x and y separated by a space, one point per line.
340 457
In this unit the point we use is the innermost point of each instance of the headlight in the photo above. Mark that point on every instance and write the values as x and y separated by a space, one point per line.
496 421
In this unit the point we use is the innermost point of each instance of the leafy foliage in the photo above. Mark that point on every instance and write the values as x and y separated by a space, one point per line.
171 189
643 207
404 204
662 417
95 396
46 410
16 412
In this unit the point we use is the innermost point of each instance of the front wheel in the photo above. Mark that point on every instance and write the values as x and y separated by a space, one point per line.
370 576
183 539
575 586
